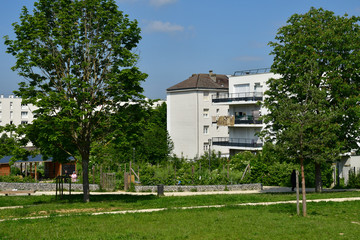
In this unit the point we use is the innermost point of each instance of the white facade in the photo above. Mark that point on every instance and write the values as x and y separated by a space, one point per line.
13 112
245 92
191 120
347 164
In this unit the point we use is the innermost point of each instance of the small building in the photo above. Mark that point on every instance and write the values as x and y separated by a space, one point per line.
30 166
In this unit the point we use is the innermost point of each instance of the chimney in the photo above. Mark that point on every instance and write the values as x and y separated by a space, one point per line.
212 75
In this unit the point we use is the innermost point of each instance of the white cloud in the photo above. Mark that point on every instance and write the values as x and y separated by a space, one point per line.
248 58
159 26
160 3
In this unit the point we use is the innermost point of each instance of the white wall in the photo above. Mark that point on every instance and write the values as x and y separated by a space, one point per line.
347 164
182 122
13 112
247 131
186 120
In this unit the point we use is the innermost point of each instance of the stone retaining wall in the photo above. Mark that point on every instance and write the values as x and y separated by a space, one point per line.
201 188
44 186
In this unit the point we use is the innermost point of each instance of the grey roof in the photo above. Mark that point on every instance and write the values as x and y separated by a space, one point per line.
37 158
203 81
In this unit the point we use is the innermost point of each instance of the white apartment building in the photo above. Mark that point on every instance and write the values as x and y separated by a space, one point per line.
246 89
12 111
192 117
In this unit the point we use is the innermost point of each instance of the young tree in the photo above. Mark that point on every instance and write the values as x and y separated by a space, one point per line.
313 111
77 57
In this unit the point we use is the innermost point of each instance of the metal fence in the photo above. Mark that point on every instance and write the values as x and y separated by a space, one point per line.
236 142
238 97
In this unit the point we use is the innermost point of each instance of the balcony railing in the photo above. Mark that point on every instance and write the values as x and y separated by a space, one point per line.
248 120
238 97
252 71
236 142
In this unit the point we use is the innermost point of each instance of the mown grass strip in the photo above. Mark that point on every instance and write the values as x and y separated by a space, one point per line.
326 220
191 207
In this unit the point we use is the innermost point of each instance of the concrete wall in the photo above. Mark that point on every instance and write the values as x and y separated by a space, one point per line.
43 186
201 188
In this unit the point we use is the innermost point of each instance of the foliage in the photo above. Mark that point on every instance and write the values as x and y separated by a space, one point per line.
354 180
16 178
313 111
142 138
8 144
79 62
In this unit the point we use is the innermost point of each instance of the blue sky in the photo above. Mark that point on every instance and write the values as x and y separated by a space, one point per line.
182 37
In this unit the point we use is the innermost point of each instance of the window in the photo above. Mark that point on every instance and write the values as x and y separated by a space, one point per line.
206 96
24 115
257 87
206 113
206 146
24 106
206 130
24 122
242 88
11 114
11 105
217 111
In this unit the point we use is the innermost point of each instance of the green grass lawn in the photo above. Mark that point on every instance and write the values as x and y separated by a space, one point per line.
325 220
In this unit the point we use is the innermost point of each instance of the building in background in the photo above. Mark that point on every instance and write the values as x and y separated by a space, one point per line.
192 117
12 111
246 90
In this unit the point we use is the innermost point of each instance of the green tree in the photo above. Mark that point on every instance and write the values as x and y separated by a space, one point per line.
155 144
77 57
313 111
142 136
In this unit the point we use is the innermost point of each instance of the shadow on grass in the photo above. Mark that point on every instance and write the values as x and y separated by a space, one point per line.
107 198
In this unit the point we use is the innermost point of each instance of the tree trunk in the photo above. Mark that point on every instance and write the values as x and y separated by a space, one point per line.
85 174
303 186
318 182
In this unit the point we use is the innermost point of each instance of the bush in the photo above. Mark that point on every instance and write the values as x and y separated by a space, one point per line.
354 180
12 178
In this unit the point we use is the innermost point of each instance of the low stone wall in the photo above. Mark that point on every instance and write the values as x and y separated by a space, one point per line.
43 186
201 188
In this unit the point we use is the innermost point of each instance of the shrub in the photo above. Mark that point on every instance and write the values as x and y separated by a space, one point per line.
12 178
354 180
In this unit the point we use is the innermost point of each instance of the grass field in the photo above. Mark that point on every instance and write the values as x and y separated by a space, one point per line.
325 220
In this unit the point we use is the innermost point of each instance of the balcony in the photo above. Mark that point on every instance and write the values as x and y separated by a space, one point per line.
236 142
238 97
248 120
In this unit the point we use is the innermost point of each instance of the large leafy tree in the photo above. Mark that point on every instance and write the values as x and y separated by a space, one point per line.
142 136
313 111
78 59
